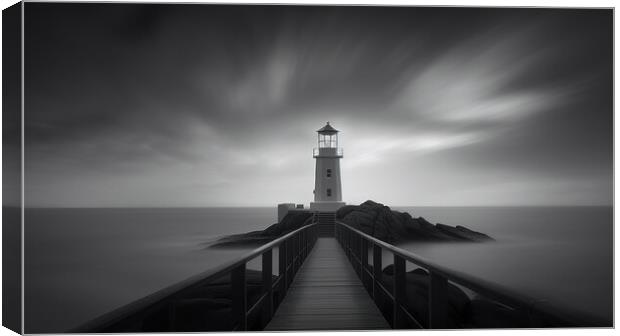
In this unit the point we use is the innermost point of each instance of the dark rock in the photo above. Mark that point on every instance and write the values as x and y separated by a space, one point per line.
370 217
343 211
206 308
202 315
473 235
462 233
484 313
416 300
391 226
291 222
463 312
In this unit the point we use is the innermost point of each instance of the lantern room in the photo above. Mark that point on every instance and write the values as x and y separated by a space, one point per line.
328 137
328 142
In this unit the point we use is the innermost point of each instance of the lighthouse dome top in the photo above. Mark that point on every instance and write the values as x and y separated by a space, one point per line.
328 129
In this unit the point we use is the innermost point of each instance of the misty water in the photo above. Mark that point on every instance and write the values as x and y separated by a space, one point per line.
81 263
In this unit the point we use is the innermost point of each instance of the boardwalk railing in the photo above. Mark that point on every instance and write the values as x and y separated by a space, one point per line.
293 248
532 313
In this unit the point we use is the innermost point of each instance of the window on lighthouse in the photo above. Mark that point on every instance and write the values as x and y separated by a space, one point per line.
328 173
329 193
328 141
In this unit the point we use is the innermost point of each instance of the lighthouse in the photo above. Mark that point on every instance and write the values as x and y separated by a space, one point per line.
327 182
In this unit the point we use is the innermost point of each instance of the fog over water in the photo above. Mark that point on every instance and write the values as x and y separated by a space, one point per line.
81 263
563 255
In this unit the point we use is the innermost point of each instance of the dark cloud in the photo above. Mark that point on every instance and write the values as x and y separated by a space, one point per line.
226 97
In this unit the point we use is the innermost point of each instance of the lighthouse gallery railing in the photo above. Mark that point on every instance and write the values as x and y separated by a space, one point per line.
533 313
293 248
331 152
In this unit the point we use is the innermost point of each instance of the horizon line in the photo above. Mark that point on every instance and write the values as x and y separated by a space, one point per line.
275 206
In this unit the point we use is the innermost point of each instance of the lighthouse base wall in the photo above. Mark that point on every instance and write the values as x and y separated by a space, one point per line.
326 206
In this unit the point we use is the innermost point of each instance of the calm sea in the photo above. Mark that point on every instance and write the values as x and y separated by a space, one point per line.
81 263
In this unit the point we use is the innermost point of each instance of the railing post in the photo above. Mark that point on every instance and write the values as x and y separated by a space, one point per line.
304 244
295 255
377 271
354 246
267 310
290 255
352 239
349 244
364 261
344 241
298 251
400 291
282 267
314 234
358 248
354 249
301 248
239 296
339 234
438 301
336 232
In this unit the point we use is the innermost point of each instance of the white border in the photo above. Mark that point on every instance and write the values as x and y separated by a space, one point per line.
531 3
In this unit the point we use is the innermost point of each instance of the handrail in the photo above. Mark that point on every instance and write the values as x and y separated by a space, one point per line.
289 263
439 277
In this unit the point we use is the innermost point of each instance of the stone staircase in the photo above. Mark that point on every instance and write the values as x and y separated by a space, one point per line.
326 222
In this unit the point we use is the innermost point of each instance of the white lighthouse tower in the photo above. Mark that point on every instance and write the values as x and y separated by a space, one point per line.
327 183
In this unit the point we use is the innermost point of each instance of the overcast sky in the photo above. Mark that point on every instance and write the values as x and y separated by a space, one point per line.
204 105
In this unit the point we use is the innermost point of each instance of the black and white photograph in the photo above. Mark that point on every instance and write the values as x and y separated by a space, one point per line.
232 167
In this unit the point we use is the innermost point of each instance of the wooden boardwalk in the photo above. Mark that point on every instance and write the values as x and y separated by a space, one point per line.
326 294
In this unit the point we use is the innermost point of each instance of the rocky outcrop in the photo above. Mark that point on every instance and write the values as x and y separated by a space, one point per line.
206 308
291 222
392 226
416 301
369 217
462 311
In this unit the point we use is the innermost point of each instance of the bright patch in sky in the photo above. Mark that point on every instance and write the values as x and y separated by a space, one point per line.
207 106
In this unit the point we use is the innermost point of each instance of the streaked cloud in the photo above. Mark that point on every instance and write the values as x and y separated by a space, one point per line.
206 105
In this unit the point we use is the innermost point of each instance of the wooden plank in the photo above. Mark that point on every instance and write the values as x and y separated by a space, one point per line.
326 294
